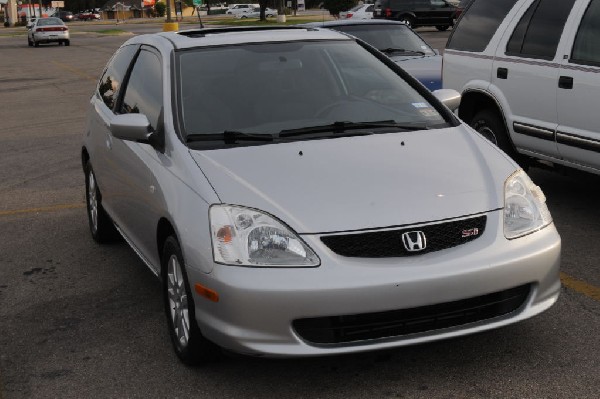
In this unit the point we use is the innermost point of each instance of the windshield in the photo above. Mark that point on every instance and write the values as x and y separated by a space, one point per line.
270 88
384 37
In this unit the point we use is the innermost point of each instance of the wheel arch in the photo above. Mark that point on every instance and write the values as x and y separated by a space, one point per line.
164 230
474 101
85 157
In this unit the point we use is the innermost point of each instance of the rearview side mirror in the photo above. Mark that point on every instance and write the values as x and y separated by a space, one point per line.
136 127
131 127
450 98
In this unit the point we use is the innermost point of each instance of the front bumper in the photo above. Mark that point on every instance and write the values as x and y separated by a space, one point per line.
258 306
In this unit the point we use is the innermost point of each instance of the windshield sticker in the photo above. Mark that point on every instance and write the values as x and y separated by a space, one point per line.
420 105
429 112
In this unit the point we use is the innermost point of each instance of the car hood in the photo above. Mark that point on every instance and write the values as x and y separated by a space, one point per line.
365 182
427 69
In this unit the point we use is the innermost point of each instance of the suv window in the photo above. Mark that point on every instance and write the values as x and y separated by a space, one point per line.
538 32
114 75
143 93
478 24
585 48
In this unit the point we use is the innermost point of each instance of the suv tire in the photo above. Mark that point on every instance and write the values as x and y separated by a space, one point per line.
490 125
408 21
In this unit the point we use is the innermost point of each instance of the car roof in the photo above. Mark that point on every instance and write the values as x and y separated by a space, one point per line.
241 35
350 21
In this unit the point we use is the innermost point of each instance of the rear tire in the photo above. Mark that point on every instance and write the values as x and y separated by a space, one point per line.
36 44
188 342
67 42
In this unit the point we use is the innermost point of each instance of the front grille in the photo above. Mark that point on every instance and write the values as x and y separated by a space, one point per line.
395 323
388 243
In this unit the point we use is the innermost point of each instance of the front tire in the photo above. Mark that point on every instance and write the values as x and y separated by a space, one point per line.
189 344
101 226
490 125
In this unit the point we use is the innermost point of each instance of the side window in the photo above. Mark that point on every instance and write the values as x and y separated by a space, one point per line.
585 48
478 24
538 32
143 93
111 81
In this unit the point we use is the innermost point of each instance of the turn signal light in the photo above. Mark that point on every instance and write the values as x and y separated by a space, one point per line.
207 293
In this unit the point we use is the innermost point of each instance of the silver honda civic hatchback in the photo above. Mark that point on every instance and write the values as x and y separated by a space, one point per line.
299 194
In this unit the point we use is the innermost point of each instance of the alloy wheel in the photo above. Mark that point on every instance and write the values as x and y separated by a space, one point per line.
93 200
178 301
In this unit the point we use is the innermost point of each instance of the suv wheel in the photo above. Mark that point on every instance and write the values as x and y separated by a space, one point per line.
489 124
407 20
189 344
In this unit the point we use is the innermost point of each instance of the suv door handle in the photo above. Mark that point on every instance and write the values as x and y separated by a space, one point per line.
565 82
502 73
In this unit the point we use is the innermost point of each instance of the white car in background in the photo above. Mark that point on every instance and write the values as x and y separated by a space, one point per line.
255 13
238 9
48 30
361 11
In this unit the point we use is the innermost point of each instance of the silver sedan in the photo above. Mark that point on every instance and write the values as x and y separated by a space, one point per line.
299 194
48 30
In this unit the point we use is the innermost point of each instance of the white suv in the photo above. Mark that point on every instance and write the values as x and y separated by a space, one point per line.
529 73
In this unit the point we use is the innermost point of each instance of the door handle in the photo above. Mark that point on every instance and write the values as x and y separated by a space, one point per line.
502 73
565 82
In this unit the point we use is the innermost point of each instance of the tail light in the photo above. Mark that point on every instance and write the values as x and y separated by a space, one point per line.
349 15
388 12
53 29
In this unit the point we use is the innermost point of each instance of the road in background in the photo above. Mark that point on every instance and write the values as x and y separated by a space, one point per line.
79 320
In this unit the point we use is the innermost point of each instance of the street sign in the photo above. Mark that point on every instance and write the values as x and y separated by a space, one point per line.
58 4
197 2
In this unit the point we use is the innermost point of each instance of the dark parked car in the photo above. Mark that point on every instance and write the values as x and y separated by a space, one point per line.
438 13
403 45
461 6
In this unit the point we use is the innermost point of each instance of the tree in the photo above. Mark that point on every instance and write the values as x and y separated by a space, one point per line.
335 6
160 8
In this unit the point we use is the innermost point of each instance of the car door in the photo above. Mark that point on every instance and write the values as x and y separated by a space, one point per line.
102 111
525 74
131 162
578 134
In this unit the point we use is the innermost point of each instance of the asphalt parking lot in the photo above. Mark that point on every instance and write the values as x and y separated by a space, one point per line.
78 320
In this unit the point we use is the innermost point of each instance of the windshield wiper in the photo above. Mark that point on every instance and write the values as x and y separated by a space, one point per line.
391 50
341 128
230 137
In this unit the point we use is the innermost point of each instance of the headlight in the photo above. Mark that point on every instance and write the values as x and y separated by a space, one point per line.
248 237
525 209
